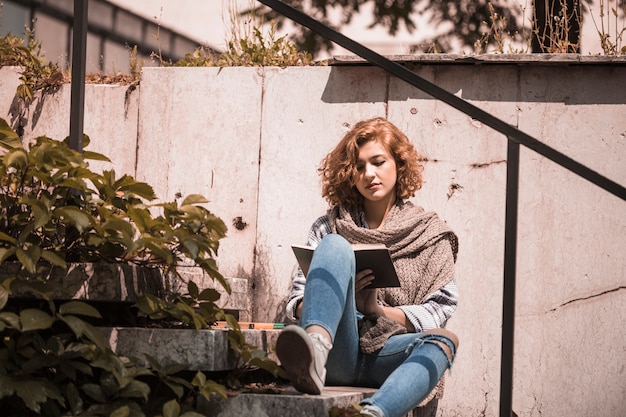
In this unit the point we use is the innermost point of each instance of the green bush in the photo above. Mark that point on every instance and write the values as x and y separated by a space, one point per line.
54 211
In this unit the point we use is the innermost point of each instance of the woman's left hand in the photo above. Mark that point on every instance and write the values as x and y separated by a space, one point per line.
366 298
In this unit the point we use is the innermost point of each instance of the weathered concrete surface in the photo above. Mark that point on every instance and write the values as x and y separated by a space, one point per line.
250 139
296 134
293 404
9 81
571 262
286 404
100 281
110 119
200 350
203 137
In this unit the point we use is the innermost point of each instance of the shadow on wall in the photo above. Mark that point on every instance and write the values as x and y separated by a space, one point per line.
544 84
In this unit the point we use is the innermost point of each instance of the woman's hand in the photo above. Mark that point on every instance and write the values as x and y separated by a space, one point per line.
366 299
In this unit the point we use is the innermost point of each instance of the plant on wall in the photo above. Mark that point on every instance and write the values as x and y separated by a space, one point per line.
55 211
37 73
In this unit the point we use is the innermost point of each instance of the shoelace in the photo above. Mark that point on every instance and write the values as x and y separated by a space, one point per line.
320 342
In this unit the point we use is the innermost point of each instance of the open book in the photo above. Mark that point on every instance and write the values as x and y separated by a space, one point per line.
368 256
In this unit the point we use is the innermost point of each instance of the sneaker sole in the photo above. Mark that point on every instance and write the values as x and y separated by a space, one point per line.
296 353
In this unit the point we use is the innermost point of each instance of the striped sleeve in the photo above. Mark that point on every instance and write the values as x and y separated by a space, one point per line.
435 310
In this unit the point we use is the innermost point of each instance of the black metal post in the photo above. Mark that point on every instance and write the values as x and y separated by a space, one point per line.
510 260
79 63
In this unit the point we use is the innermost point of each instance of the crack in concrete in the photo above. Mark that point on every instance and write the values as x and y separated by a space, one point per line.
575 300
486 164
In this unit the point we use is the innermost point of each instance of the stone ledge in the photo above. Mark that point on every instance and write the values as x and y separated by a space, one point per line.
290 403
480 59
201 350
118 282
207 350
99 281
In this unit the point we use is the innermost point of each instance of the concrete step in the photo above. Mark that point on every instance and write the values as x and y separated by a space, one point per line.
200 350
207 350
285 403
290 403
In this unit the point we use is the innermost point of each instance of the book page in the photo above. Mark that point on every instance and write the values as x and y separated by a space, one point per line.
368 256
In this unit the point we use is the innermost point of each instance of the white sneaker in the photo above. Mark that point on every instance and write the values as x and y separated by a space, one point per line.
303 356
371 411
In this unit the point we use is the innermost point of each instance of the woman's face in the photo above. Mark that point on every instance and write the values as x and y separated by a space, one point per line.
376 167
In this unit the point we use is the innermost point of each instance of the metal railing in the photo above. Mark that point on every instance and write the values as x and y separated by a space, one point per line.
514 137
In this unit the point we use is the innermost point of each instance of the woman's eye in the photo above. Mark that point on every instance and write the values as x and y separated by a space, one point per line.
360 168
378 163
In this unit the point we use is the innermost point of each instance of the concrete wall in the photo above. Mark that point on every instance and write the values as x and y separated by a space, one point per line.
250 140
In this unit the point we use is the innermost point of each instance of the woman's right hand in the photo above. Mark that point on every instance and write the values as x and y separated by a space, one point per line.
366 298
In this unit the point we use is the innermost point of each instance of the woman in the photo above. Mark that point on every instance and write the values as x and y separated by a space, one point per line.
349 334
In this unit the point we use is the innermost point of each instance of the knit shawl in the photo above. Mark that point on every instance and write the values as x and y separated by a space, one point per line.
411 234
423 266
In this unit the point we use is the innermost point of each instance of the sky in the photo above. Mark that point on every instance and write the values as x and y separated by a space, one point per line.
208 21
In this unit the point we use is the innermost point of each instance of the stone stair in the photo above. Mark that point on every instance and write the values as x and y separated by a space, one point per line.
207 351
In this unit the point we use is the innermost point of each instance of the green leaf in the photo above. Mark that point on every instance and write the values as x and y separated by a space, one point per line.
209 294
192 288
6 238
79 308
7 387
136 389
194 199
141 217
74 216
73 397
11 319
4 297
95 336
8 138
199 379
159 251
94 156
175 387
123 411
6 253
192 248
40 211
213 387
29 257
36 392
95 392
128 185
53 258
33 393
171 409
148 304
15 158
33 319
74 183
82 328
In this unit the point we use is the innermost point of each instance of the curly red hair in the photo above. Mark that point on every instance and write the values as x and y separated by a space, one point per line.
338 168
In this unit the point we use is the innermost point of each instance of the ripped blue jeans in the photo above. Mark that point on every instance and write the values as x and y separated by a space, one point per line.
405 370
